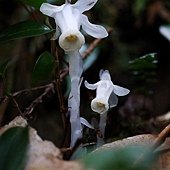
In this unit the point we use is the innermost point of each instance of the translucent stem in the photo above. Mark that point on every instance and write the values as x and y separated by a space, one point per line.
75 71
102 123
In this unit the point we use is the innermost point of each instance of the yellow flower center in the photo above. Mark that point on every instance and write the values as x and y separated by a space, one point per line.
100 105
71 38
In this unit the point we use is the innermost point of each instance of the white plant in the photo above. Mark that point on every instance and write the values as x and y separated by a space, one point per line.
106 96
165 31
69 18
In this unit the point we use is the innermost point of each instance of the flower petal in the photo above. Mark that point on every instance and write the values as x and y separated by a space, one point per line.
120 91
84 5
49 9
96 31
100 105
86 123
113 100
100 73
90 86
104 75
165 31
71 40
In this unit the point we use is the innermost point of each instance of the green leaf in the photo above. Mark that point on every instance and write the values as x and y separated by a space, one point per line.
80 152
68 86
139 6
121 159
43 67
34 3
24 29
145 62
3 66
13 148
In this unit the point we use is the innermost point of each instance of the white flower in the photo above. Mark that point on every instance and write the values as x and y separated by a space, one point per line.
106 93
165 31
69 19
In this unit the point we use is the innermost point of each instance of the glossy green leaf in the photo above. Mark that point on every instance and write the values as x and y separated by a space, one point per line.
80 152
43 68
34 3
121 159
13 148
145 62
24 29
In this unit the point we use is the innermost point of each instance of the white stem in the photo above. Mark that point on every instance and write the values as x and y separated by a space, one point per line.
67 1
75 71
102 123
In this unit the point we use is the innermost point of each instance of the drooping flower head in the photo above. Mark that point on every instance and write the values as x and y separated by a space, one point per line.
106 93
69 18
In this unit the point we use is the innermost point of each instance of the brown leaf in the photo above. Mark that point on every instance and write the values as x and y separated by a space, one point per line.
143 140
157 8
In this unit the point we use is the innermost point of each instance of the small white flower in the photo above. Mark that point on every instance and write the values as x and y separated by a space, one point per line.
69 19
165 31
106 93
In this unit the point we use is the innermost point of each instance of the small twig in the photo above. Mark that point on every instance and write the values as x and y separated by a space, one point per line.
157 142
38 100
93 45
58 82
57 77
68 152
32 89
18 93
63 73
64 150
17 106
161 137
47 88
